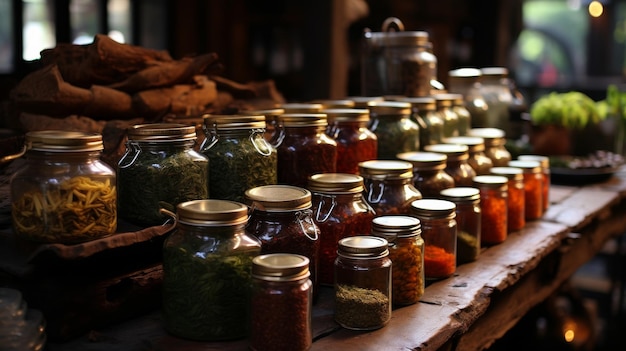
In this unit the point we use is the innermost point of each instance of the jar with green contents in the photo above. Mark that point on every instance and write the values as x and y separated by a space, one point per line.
467 201
389 186
395 130
478 160
466 81
494 145
207 264
457 165
428 119
429 175
465 117
447 113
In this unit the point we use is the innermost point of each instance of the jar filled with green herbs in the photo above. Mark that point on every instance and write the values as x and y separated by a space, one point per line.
427 118
395 130
445 108
207 263
159 169
240 156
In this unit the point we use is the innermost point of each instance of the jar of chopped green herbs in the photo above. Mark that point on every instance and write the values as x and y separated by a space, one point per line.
240 156
159 169
396 131
207 263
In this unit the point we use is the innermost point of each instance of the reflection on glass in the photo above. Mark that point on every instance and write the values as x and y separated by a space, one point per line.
38 16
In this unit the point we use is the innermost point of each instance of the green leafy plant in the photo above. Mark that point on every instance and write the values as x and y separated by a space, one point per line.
573 110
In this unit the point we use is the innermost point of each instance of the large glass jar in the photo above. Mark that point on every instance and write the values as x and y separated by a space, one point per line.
389 186
466 81
533 187
493 207
427 118
497 93
160 169
476 150
207 263
339 210
64 193
447 113
304 148
457 164
545 170
516 202
429 175
395 130
281 303
363 298
494 145
355 143
467 201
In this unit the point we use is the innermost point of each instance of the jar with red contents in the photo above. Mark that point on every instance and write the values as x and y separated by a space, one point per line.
396 131
429 176
517 202
282 219
389 186
304 148
476 150
493 208
439 230
355 143
533 187
545 168
457 165
494 145
467 201
339 210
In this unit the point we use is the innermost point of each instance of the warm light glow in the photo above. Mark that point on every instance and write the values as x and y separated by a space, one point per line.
569 335
595 8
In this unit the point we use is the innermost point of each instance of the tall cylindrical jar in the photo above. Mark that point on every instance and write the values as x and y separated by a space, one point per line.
495 143
545 169
63 193
355 142
468 213
449 116
363 298
429 175
339 210
406 251
533 187
389 186
466 81
207 262
457 165
281 303
496 91
439 230
427 118
476 150
517 199
395 130
493 208
160 169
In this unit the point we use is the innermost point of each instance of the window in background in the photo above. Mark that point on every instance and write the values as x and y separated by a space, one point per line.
119 16
7 55
39 28
84 20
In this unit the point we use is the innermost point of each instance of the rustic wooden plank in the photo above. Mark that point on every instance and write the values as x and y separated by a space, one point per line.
581 206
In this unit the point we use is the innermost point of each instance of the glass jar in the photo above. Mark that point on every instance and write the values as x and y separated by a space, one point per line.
389 186
429 175
363 101
427 118
516 202
493 207
159 169
494 145
335 104
466 81
301 108
439 230
465 117
496 92
533 187
63 193
355 143
406 251
271 120
235 145
468 213
282 219
363 283
545 169
207 261
281 303
339 210
304 148
395 130
447 113
457 165
479 162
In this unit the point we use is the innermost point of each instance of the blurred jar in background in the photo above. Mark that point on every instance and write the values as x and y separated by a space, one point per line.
466 81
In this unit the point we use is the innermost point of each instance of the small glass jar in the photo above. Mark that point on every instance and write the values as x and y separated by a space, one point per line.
339 210
494 145
389 186
445 110
281 303
476 150
304 148
439 230
160 169
468 213
517 199
457 165
466 81
533 187
406 251
465 117
493 208
363 298
545 169
355 143
396 131
64 193
427 118
207 263
429 176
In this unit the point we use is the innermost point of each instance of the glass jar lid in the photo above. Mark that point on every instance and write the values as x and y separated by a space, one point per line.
297 107
336 183
363 101
332 104
272 198
491 181
338 115
389 108
280 267
363 247
455 152
303 119
433 208
161 132
386 169
212 212
543 160
234 122
512 173
474 144
63 141
424 161
526 166
492 136
391 227
461 194
421 103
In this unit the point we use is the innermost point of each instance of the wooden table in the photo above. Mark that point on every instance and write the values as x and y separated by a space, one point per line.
468 311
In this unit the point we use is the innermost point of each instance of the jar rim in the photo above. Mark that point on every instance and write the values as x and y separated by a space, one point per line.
63 141
279 197
280 267
212 212
335 183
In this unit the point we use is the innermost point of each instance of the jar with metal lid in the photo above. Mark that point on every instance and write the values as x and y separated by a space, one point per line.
63 193
439 230
457 164
159 169
304 148
466 81
533 187
494 145
282 219
545 170
424 113
271 120
281 303
363 101
301 107
478 160
339 210
207 261
448 115
389 186
397 62
406 251
395 130
496 92
355 142
516 202
493 207
335 104
429 175
463 114
363 298
468 213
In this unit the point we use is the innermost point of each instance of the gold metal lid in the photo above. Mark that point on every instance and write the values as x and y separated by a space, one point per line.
280 267
445 99
424 160
303 119
363 101
526 166
63 141
389 108
234 122
267 113
543 160
491 181
460 194
347 115
512 173
455 152
212 212
279 198
335 183
391 227
492 136
157 132
363 247
474 144
433 208
341 103
386 169
424 103
296 107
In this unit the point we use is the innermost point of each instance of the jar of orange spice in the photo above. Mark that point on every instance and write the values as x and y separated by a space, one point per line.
516 205
494 208
533 187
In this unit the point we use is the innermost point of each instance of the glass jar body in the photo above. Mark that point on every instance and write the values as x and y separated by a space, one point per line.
475 103
461 171
355 143
516 205
498 154
494 214
450 121
390 196
439 247
430 182
464 118
430 127
407 257
480 162
497 94
468 218
395 134
533 190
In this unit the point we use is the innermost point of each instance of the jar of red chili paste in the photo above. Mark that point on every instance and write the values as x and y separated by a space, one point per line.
516 202
396 131
339 211
429 176
476 150
545 168
493 207
533 187
280 309
389 186
494 145
439 230
457 164
467 201
355 143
